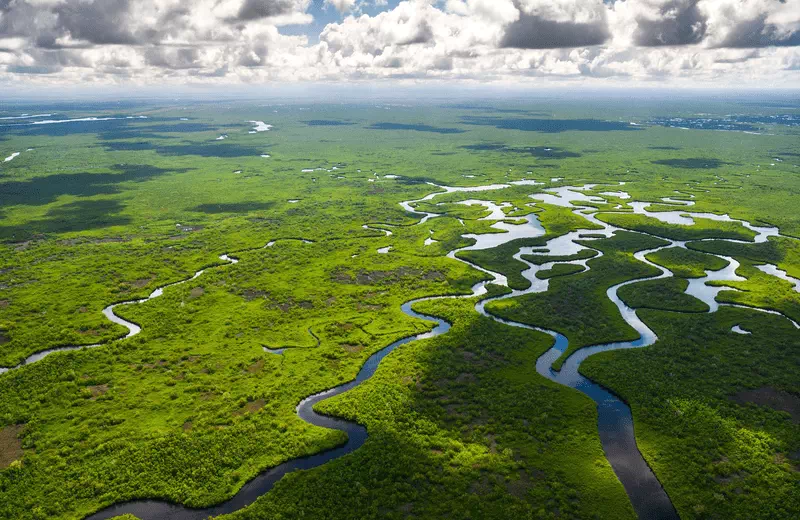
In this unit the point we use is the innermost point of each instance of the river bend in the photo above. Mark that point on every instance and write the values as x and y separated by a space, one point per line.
615 422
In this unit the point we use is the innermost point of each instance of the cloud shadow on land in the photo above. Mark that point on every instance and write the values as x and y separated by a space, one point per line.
64 129
82 215
327 122
416 128
201 149
39 191
489 108
233 207
120 128
541 151
695 163
550 126
132 133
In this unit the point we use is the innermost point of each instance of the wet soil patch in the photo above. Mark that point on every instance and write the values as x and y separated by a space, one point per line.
364 277
290 303
10 445
352 348
256 367
251 407
254 294
142 282
97 390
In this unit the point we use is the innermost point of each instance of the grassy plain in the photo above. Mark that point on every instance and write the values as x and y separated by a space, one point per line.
715 411
473 434
577 305
559 270
93 213
687 263
666 294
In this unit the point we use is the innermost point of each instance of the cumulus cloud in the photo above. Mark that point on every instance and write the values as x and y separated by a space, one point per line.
496 11
671 22
341 5
255 9
141 37
412 22
709 23
556 24
757 23
758 33
100 22
480 40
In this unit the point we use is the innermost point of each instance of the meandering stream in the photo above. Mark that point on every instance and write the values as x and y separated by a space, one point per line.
357 434
133 328
615 422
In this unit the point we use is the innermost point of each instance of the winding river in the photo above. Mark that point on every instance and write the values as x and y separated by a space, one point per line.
133 328
357 434
615 422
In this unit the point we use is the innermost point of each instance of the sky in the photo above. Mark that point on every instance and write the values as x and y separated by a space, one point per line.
520 43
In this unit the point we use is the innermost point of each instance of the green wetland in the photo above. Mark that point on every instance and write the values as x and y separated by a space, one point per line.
540 309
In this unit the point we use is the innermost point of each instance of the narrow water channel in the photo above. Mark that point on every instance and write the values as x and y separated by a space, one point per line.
615 422
357 434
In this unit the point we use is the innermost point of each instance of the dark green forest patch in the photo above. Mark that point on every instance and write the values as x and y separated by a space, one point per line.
416 128
666 294
695 163
686 263
550 126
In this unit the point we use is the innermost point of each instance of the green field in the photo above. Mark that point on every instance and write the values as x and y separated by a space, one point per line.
94 213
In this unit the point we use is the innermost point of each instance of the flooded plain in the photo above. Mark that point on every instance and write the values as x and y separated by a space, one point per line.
615 422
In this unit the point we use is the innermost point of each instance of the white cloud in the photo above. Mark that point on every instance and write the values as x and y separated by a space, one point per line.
753 23
708 23
342 5
501 11
118 41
